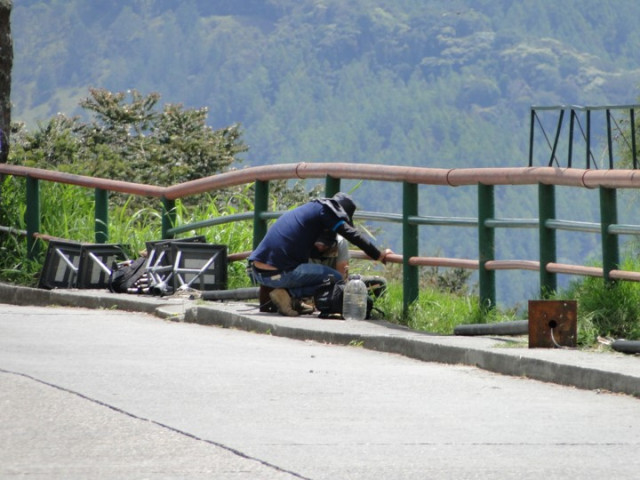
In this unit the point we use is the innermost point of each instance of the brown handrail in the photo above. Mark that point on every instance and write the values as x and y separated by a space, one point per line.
419 175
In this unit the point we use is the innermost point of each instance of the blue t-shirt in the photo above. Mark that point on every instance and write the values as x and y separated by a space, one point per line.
289 241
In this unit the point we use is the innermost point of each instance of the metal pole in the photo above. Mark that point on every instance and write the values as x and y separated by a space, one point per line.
588 160
608 216
609 138
632 118
331 185
547 238
101 216
555 142
261 204
531 128
168 217
410 277
572 119
486 246
32 216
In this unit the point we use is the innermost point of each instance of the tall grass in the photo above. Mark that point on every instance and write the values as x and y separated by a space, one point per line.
606 310
435 310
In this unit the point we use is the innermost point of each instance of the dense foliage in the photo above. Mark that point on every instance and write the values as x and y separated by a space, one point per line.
130 139
436 83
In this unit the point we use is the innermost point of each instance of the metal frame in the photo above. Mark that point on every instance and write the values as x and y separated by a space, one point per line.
199 266
96 264
77 265
164 260
60 268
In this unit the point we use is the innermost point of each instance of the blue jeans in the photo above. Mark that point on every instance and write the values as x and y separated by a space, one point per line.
301 282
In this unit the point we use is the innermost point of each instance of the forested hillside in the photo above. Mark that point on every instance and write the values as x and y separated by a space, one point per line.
439 83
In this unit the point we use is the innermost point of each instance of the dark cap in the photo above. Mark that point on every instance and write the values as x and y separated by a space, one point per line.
347 204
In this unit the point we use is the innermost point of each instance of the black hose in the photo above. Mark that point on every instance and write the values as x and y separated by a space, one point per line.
626 346
237 294
517 327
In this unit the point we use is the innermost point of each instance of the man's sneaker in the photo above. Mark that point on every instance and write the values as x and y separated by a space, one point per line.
281 298
301 307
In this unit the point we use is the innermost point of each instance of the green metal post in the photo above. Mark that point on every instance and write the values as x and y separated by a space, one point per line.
32 216
486 246
410 278
261 204
101 216
331 186
608 216
168 217
547 238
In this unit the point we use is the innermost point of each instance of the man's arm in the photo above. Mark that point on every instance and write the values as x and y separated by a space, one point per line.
354 236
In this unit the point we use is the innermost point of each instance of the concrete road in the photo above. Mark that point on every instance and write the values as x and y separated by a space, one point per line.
116 395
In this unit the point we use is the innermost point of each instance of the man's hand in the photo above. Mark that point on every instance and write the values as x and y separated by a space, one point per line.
383 255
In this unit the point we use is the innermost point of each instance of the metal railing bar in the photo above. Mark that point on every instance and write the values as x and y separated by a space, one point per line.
574 269
570 225
623 229
512 223
573 177
512 265
211 222
584 108
625 275
13 231
468 264
82 181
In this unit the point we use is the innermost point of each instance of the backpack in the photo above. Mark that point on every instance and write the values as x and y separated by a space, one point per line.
126 275
328 299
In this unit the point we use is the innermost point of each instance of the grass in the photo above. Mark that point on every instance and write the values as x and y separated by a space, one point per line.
606 310
436 311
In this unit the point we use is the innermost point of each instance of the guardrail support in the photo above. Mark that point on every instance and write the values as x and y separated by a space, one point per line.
608 216
32 216
101 216
486 247
168 217
547 238
410 277
261 205
331 185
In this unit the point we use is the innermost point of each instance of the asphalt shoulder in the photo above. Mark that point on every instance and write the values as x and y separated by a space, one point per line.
606 371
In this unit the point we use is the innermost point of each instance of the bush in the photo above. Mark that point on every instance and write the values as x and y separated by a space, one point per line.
606 310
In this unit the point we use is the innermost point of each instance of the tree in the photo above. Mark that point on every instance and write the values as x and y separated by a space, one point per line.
130 139
155 147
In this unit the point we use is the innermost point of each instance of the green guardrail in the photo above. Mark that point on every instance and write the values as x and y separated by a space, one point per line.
484 220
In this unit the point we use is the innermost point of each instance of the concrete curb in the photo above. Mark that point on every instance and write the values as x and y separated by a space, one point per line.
614 372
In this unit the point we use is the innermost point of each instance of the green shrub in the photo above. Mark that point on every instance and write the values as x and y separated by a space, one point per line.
435 311
606 310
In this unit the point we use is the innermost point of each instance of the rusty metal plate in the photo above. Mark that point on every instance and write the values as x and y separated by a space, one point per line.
552 323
